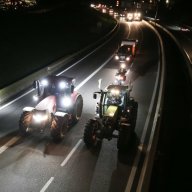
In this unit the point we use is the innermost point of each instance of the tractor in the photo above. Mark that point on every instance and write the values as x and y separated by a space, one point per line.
58 107
116 111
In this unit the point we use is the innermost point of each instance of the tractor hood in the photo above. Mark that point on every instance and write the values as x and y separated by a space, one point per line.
49 104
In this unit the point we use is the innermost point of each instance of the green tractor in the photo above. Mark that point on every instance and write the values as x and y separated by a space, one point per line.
116 111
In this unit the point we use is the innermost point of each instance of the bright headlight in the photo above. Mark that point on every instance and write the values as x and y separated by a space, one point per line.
127 58
62 85
123 65
44 82
115 91
40 117
116 57
66 101
35 98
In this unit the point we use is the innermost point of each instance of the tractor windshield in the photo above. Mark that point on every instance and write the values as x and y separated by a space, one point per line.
111 98
55 87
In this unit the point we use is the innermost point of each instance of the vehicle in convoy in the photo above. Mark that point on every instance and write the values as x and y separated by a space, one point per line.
58 107
116 110
129 16
127 50
120 76
137 16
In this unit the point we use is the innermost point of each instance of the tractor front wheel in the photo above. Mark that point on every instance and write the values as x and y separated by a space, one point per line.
77 110
90 137
24 123
59 126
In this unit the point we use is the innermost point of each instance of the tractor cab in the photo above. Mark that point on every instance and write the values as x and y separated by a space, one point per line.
113 100
53 85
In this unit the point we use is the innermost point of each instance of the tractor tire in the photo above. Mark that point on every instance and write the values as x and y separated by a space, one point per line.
59 127
24 123
77 110
125 134
89 137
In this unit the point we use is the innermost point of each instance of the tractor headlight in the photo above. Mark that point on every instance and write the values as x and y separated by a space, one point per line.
44 82
39 117
127 58
35 98
66 101
116 57
123 66
115 92
62 85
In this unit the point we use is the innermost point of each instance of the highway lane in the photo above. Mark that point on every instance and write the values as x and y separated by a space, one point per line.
34 163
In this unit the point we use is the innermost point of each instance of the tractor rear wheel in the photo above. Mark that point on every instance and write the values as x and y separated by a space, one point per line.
59 127
24 123
77 110
90 130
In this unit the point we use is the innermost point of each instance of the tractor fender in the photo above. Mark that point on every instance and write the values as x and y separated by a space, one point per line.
74 96
28 109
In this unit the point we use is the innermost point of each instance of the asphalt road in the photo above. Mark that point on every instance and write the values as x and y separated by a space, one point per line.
36 163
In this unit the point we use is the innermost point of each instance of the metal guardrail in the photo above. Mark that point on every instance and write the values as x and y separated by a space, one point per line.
15 88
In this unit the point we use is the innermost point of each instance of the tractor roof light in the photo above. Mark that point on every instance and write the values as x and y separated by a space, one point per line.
62 85
115 92
44 82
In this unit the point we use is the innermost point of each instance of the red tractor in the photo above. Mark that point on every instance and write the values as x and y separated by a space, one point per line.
58 107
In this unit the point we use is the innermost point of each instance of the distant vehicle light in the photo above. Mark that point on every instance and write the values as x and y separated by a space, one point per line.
115 92
116 57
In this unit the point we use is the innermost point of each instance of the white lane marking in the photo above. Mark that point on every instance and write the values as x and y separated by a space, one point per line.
7 104
8 144
71 153
47 184
92 74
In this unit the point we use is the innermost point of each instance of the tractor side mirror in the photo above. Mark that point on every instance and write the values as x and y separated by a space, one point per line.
35 84
94 95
